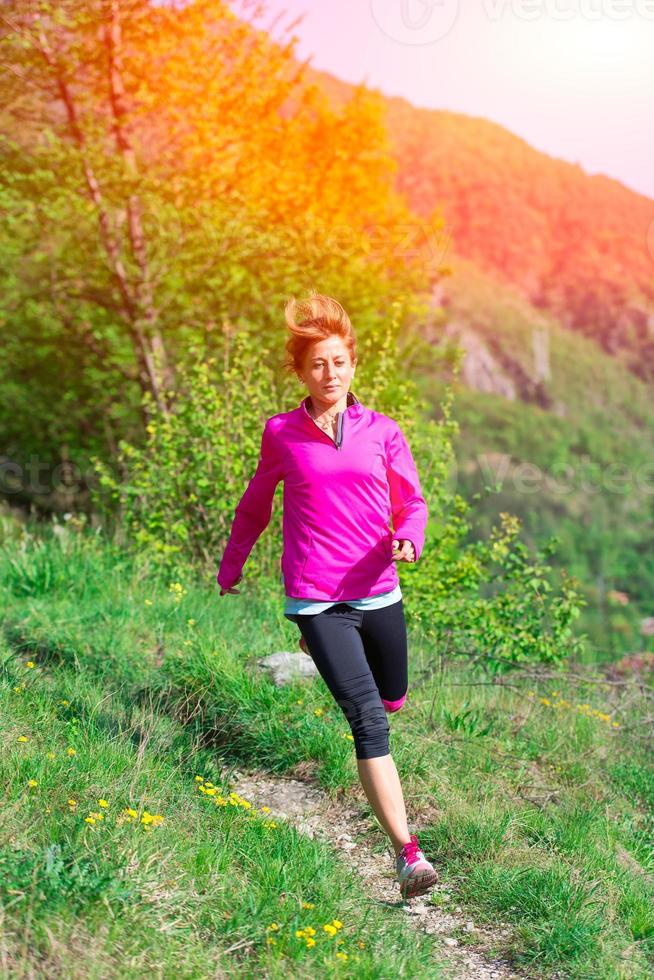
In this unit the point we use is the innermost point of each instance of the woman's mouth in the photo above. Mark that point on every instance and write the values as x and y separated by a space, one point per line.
331 387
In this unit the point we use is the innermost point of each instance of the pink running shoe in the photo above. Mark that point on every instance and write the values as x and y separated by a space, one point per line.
415 874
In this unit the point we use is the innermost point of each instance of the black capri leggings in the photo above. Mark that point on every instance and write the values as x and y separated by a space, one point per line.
361 654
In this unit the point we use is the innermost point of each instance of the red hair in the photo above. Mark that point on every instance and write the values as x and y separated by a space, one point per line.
312 320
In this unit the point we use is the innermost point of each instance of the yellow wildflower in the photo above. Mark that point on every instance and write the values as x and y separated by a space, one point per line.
271 941
90 820
71 751
199 779
151 819
335 922
103 803
310 942
332 930
23 738
342 956
32 782
148 602
308 905
318 711
272 926
265 809
30 663
64 702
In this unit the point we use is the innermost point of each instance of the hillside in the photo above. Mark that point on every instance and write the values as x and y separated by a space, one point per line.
574 244
567 430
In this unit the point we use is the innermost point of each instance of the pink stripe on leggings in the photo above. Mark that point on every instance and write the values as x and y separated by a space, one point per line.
394 705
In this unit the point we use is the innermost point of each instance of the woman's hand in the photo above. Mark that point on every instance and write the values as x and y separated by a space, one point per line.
403 550
232 590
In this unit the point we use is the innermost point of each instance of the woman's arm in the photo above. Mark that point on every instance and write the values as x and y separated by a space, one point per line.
253 511
408 506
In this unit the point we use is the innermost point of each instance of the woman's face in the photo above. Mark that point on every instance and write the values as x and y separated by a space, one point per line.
328 371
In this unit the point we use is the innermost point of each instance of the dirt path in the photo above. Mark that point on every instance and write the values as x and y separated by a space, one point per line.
350 826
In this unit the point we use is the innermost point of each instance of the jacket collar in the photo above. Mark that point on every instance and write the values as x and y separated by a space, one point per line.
353 409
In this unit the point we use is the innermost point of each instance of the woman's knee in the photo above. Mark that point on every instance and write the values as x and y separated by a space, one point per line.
394 705
371 731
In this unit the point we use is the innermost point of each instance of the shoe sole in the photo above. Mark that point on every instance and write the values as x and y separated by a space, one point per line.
418 884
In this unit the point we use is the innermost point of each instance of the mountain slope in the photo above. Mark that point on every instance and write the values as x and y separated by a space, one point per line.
565 429
580 246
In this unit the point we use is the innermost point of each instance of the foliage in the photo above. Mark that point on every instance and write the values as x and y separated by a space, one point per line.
571 458
151 196
177 492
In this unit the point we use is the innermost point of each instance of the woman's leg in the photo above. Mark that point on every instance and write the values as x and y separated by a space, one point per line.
356 652
381 785
335 646
383 632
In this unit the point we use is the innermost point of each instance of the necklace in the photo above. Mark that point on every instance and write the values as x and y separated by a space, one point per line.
323 424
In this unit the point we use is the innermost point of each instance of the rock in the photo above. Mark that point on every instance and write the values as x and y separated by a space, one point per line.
287 667
647 626
450 941
480 369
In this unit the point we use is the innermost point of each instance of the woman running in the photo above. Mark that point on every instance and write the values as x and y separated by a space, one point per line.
347 470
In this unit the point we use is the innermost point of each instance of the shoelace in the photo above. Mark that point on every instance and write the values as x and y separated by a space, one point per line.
411 850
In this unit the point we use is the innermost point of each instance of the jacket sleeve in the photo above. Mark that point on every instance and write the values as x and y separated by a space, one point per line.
408 506
253 511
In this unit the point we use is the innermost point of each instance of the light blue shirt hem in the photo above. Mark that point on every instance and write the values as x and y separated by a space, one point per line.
312 606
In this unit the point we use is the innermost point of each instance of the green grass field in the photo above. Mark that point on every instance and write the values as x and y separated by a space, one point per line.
120 687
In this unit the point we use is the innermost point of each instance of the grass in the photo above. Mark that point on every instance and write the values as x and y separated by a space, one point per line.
90 889
534 797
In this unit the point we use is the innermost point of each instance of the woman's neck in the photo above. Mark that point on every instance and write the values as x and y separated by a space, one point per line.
320 408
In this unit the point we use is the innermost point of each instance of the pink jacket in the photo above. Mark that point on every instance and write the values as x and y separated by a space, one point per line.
339 495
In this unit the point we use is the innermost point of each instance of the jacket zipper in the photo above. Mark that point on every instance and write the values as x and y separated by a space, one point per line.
340 422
